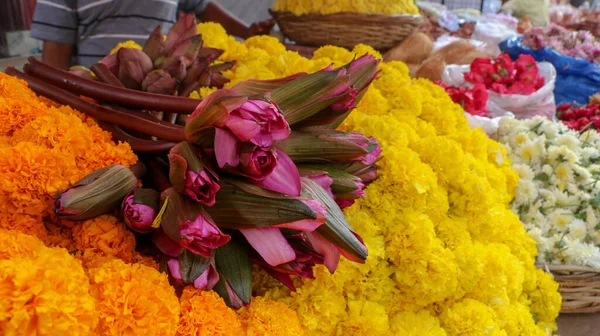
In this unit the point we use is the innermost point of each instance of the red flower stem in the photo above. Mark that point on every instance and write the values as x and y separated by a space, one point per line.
109 93
159 178
137 144
130 121
105 75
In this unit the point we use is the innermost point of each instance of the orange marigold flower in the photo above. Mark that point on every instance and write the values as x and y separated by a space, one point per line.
30 175
133 299
204 313
267 317
18 104
46 293
103 236
15 244
145 260
31 225
59 236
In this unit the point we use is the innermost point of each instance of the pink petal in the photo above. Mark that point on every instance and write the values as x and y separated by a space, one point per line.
175 270
270 244
244 129
208 279
285 178
350 256
234 298
227 148
329 251
166 245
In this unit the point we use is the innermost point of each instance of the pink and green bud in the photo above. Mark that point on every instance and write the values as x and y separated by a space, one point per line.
98 193
140 209
326 146
209 54
159 81
192 269
134 65
201 236
321 177
235 274
330 253
257 121
190 176
186 223
111 61
269 168
182 30
187 49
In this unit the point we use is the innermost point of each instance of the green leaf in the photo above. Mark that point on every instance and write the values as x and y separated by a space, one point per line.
255 87
146 196
192 265
336 229
233 264
542 177
596 201
240 205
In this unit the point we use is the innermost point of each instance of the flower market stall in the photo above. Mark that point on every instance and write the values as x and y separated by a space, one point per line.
199 185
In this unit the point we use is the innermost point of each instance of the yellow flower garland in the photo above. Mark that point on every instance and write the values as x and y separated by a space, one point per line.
300 7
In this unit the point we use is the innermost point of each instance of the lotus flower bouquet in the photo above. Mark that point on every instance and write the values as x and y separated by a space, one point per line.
261 177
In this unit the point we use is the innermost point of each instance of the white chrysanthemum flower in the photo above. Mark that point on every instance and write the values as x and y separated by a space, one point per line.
564 172
526 192
548 198
591 219
577 230
579 253
590 136
559 154
559 218
525 172
548 170
589 153
568 140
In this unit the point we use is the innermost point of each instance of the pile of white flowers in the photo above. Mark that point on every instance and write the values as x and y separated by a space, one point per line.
558 195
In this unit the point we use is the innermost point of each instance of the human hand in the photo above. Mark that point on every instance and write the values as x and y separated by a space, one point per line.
261 28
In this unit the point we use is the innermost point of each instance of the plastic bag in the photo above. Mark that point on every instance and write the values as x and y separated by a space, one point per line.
540 102
446 39
492 32
577 78
489 125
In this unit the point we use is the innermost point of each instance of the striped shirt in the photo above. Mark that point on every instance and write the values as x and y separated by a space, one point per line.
94 27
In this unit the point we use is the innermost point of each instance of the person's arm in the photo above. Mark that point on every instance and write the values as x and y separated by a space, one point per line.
57 54
55 22
232 25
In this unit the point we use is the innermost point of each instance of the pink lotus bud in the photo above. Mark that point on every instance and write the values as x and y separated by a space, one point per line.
111 61
82 72
159 81
348 102
207 280
134 65
190 176
201 236
259 122
257 162
140 209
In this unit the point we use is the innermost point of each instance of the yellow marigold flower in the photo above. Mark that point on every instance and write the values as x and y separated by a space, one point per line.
205 313
545 300
266 317
267 43
470 317
300 7
126 44
45 293
18 104
104 236
15 244
133 299
363 49
420 323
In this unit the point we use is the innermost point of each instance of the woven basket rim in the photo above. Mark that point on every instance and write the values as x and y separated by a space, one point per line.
346 15
563 268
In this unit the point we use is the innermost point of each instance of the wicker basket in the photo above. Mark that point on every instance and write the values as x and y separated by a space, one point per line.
346 30
579 287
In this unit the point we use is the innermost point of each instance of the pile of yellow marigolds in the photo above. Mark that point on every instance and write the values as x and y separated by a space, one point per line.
446 254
